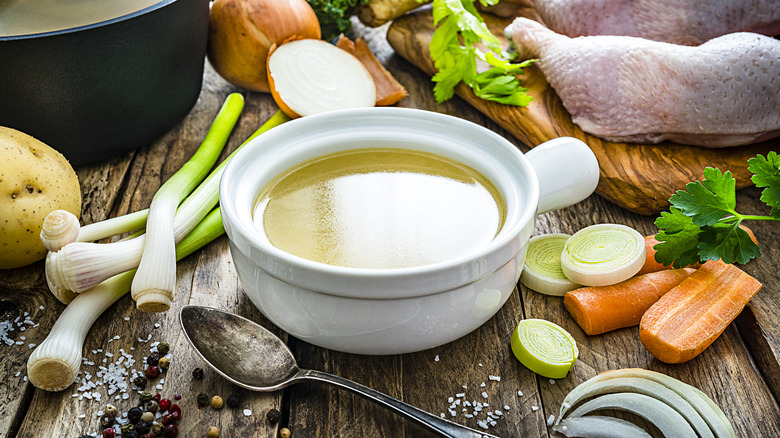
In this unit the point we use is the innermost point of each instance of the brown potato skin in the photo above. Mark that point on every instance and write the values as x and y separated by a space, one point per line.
242 31
34 181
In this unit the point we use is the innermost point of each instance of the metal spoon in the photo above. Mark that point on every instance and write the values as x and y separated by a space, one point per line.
252 357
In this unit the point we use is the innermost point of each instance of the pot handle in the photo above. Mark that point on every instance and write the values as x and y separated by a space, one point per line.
567 172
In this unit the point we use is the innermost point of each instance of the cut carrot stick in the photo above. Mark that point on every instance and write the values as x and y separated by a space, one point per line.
388 90
601 309
686 320
651 265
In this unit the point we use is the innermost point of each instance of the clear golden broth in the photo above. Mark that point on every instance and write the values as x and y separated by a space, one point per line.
25 17
380 208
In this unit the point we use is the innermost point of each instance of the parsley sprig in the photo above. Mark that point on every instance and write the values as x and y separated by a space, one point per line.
703 224
454 49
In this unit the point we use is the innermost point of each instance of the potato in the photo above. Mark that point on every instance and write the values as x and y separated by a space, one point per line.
34 181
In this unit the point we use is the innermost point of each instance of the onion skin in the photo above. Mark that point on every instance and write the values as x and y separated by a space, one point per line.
241 33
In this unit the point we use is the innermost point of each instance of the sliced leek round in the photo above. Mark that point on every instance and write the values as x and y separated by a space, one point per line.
603 254
544 348
542 269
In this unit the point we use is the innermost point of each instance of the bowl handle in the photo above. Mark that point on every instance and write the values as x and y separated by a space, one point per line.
567 171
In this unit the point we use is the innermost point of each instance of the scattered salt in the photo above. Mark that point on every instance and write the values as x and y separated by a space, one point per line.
247 412
534 408
484 395
550 420
436 358
552 382
519 393
495 378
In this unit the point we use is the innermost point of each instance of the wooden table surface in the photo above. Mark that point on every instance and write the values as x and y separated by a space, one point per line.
740 371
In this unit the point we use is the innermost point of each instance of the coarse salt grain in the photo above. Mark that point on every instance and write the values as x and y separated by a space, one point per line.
484 394
552 382
519 393
436 358
534 408
550 420
495 378
247 412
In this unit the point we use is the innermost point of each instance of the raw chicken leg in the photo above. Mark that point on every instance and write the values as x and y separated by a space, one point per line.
675 21
725 92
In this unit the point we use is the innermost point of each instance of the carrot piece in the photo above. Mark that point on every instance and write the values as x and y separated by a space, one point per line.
601 309
388 90
651 265
686 320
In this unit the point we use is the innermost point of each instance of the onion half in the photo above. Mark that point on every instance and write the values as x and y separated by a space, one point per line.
309 76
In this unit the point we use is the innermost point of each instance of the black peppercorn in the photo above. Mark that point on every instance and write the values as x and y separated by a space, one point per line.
130 434
233 400
203 399
134 415
140 381
197 374
273 416
152 359
142 427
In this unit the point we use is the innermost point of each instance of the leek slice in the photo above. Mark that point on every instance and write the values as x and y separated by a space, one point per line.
603 254
597 426
544 348
542 270
667 420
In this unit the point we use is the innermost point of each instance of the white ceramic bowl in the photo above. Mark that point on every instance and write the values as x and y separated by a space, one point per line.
401 310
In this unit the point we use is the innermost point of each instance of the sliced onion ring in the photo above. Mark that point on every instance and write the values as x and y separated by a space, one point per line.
542 269
544 348
597 426
310 76
603 254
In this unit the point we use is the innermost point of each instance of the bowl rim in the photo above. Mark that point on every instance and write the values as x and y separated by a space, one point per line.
158 5
395 282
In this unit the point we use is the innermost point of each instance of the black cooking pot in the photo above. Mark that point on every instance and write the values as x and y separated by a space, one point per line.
99 90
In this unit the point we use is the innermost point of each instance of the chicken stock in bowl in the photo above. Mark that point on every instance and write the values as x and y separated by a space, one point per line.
394 309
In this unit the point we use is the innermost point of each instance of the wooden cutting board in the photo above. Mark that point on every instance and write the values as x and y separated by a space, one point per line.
638 177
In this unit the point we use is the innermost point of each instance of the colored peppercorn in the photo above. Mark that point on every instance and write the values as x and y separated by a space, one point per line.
177 397
171 430
213 432
165 404
273 416
140 381
156 397
145 397
197 374
109 433
157 428
233 400
152 359
152 371
152 406
284 432
134 415
106 420
168 419
111 410
163 348
125 428
175 411
142 427
148 435
147 417
216 402
202 399
164 363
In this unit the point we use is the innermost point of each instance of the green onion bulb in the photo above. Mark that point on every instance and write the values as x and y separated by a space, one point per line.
544 348
603 254
542 270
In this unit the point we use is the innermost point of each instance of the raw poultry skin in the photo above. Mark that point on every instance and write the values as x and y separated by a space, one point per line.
725 92
690 22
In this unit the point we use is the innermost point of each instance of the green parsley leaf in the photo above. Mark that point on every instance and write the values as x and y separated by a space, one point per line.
679 238
728 242
707 201
767 174
333 15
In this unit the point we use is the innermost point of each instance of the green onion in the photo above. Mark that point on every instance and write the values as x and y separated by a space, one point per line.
155 282
62 227
603 254
80 266
55 363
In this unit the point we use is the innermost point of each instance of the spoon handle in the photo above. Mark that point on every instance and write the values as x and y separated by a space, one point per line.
436 424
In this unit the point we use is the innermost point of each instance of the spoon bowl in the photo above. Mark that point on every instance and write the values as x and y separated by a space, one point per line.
252 357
